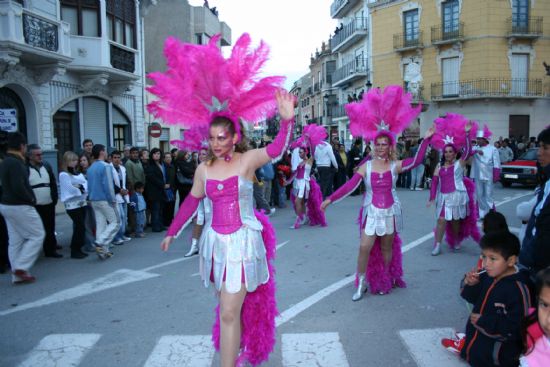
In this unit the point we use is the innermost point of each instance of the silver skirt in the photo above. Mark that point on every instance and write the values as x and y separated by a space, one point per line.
381 222
241 253
454 205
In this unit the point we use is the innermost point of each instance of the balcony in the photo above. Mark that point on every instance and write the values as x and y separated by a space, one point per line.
447 33
337 111
315 120
350 34
528 28
357 69
317 87
32 39
406 42
487 88
205 22
339 8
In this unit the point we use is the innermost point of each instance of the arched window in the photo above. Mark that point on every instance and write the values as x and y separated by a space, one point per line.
83 16
121 22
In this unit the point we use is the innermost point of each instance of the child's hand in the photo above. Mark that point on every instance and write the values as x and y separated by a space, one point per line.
474 317
472 277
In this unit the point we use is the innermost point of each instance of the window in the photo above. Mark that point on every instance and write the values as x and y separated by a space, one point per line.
450 70
520 15
520 73
450 17
411 26
121 22
121 129
83 16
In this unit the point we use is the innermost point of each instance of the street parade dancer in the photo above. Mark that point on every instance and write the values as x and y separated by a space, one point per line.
453 193
485 170
196 140
380 117
305 190
202 88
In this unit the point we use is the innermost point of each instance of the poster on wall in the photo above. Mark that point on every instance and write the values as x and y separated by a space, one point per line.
8 119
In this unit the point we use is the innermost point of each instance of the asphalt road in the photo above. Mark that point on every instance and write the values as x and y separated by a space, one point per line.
144 307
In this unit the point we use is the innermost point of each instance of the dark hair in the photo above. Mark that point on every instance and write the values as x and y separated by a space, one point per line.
544 136
241 146
86 141
173 150
15 140
115 152
153 151
494 222
503 242
31 147
542 281
134 149
138 185
97 149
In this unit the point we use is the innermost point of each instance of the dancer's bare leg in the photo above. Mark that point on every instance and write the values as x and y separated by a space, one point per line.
456 227
386 245
299 204
440 229
365 247
230 325
197 230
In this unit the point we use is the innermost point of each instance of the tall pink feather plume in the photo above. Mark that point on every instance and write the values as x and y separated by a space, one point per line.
392 106
450 127
314 135
198 73
486 132
193 140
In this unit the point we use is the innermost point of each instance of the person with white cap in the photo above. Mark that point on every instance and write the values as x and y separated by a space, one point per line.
485 171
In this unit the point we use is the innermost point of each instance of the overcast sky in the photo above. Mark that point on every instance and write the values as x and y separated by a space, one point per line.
292 28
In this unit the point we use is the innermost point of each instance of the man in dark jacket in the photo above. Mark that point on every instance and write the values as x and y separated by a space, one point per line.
25 229
535 252
44 186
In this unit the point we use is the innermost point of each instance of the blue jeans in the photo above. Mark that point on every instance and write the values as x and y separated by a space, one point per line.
122 215
140 221
156 219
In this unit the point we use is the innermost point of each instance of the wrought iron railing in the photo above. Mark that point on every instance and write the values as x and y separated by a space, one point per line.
447 32
356 25
316 120
123 59
488 88
40 33
336 5
407 40
337 111
317 87
357 66
530 26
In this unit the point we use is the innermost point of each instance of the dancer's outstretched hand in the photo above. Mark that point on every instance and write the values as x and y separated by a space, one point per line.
324 204
429 132
429 203
285 104
166 242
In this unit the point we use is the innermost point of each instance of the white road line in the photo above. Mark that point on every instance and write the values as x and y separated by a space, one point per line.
282 244
313 349
182 351
115 279
61 350
425 347
303 305
166 263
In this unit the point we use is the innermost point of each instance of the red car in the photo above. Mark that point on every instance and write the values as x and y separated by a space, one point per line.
523 170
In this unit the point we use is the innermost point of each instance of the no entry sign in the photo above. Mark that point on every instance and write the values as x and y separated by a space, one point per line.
155 130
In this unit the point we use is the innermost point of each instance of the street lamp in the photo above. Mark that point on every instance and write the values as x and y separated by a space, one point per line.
368 84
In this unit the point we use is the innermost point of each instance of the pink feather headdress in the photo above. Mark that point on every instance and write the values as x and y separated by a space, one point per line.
450 130
312 136
193 140
485 133
200 84
382 113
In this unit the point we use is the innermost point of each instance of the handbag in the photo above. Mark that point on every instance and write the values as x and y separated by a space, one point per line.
182 179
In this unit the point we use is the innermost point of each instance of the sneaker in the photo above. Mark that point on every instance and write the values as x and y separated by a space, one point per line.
22 277
126 239
418 189
118 243
272 211
102 253
454 344
437 249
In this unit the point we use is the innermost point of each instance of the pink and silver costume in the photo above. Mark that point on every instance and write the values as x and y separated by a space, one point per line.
300 184
451 201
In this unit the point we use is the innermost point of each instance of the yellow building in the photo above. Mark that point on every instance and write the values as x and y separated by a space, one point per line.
481 58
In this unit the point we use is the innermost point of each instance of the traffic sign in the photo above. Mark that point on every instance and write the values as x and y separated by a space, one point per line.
155 130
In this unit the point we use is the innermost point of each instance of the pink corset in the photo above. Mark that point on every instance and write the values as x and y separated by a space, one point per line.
226 216
447 179
300 171
382 195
